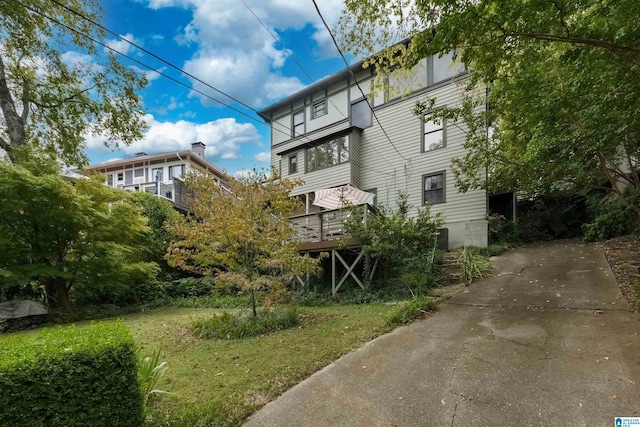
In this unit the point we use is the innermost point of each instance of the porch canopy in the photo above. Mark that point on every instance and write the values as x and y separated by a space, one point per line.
339 197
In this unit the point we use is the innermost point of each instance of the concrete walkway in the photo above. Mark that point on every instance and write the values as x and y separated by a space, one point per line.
547 341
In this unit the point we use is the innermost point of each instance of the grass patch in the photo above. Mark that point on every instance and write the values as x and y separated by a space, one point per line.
221 382
412 309
245 324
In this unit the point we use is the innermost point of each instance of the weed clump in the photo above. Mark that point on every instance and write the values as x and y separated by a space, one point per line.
245 325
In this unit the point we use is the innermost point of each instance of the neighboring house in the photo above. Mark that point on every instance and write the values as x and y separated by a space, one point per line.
327 136
160 174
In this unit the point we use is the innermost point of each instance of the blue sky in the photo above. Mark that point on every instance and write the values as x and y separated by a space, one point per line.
223 44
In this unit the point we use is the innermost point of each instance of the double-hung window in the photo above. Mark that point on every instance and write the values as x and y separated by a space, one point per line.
433 186
433 134
298 123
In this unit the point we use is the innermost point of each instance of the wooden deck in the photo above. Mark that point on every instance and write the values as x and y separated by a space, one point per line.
324 230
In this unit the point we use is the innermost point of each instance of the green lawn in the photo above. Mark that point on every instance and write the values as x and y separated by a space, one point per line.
221 382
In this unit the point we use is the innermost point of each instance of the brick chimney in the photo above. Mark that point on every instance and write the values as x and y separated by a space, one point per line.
198 149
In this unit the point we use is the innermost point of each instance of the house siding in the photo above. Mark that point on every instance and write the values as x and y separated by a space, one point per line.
375 163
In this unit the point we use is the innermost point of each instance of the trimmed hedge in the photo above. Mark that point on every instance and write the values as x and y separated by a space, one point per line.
68 376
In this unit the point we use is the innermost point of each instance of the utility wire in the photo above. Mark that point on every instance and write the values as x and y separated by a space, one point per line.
308 143
261 122
355 79
279 42
97 24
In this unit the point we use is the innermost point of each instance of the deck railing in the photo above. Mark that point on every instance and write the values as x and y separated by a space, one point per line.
324 225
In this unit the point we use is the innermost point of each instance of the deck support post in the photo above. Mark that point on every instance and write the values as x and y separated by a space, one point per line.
349 272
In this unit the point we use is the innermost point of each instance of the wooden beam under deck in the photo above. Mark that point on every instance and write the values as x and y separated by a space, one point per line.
326 245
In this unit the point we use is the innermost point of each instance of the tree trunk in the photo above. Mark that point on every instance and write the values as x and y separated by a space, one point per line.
14 122
253 303
57 294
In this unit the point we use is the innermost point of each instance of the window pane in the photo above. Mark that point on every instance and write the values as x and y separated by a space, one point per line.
137 173
322 155
430 126
434 189
311 159
293 164
157 174
361 114
332 153
433 140
445 68
298 118
343 146
319 109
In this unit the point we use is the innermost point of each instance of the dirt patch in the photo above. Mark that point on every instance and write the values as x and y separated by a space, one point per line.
622 254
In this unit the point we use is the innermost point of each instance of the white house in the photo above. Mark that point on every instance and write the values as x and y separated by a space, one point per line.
327 136
160 174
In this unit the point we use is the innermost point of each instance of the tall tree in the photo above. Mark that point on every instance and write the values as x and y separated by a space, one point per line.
57 86
64 236
242 234
562 80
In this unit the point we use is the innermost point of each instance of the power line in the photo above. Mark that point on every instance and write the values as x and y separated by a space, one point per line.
308 142
97 24
170 64
279 42
261 122
355 79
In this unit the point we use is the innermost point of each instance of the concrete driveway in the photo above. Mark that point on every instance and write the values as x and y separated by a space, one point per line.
547 341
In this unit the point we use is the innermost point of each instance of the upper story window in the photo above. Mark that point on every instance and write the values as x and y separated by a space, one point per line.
120 176
361 115
110 180
327 154
433 134
433 188
138 173
319 109
298 123
293 164
176 171
156 174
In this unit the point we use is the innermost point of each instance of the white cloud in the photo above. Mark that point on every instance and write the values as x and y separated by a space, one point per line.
121 45
148 74
223 137
263 157
236 54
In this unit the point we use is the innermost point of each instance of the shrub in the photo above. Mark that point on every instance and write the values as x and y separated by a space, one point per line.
495 249
411 309
612 218
472 263
190 287
557 215
71 377
245 325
